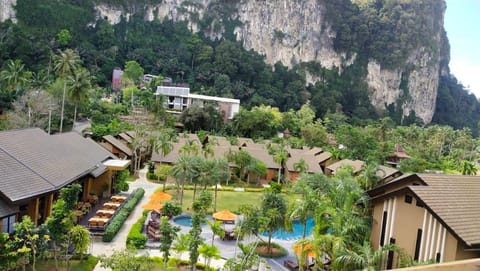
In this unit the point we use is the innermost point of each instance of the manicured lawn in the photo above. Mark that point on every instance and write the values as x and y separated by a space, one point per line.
230 200
88 264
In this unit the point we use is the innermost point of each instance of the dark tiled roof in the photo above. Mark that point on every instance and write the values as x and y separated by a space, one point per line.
455 199
34 162
118 144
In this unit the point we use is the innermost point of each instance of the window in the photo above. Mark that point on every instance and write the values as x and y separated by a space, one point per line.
384 225
408 199
8 224
390 255
417 245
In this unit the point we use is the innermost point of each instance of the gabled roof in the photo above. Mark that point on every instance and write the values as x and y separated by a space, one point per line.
118 144
259 151
219 141
385 172
357 165
125 137
455 200
296 155
172 157
400 152
33 162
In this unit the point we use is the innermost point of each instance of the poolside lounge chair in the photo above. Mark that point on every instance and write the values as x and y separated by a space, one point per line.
291 265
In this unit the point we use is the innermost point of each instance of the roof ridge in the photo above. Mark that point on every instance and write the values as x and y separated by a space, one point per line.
29 168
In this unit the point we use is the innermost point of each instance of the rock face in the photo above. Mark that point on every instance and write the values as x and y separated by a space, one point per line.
295 31
6 10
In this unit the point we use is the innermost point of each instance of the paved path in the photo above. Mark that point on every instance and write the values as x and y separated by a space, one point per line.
227 248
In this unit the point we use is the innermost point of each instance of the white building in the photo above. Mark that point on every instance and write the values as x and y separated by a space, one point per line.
178 98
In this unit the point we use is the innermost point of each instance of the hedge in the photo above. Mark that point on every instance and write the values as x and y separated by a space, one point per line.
136 239
122 215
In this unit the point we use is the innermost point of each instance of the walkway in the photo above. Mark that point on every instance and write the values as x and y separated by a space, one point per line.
227 248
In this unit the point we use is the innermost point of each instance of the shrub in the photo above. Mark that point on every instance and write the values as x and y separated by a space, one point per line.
169 209
122 215
282 252
152 176
135 237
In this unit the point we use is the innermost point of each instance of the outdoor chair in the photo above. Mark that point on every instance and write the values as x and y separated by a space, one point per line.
291 265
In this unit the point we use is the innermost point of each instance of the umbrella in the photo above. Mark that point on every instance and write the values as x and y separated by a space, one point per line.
152 205
225 215
306 249
160 196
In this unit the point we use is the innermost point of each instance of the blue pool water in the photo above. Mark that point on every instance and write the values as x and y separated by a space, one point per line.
184 220
296 232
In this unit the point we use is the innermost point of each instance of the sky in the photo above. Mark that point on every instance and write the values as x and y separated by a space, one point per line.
462 23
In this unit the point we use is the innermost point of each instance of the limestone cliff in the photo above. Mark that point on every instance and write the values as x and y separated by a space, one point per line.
296 31
7 9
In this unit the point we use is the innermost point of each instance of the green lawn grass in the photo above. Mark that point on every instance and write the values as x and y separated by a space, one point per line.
229 200
88 264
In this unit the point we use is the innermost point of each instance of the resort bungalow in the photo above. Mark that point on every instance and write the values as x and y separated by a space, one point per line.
356 165
117 147
430 216
34 166
397 156
171 158
295 156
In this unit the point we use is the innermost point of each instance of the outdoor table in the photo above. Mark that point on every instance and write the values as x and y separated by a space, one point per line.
106 212
111 205
118 198
100 221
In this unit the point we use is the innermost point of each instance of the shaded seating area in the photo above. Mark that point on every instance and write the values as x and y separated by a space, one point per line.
228 218
153 225
100 216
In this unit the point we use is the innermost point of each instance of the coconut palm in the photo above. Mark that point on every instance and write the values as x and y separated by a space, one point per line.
280 156
14 77
183 171
190 148
79 86
362 257
274 210
181 244
300 166
222 172
208 252
216 227
66 62
163 144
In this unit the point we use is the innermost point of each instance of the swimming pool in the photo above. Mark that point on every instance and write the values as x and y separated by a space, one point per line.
296 233
184 220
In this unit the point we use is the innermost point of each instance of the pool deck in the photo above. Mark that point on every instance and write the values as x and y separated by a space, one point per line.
227 248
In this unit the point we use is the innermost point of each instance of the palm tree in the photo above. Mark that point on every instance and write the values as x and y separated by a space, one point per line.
79 88
280 156
181 244
183 171
216 227
66 62
222 170
190 148
163 144
274 210
362 257
300 166
14 76
208 252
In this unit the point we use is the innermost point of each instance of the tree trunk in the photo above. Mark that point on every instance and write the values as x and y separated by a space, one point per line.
75 114
63 104
216 193
194 191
